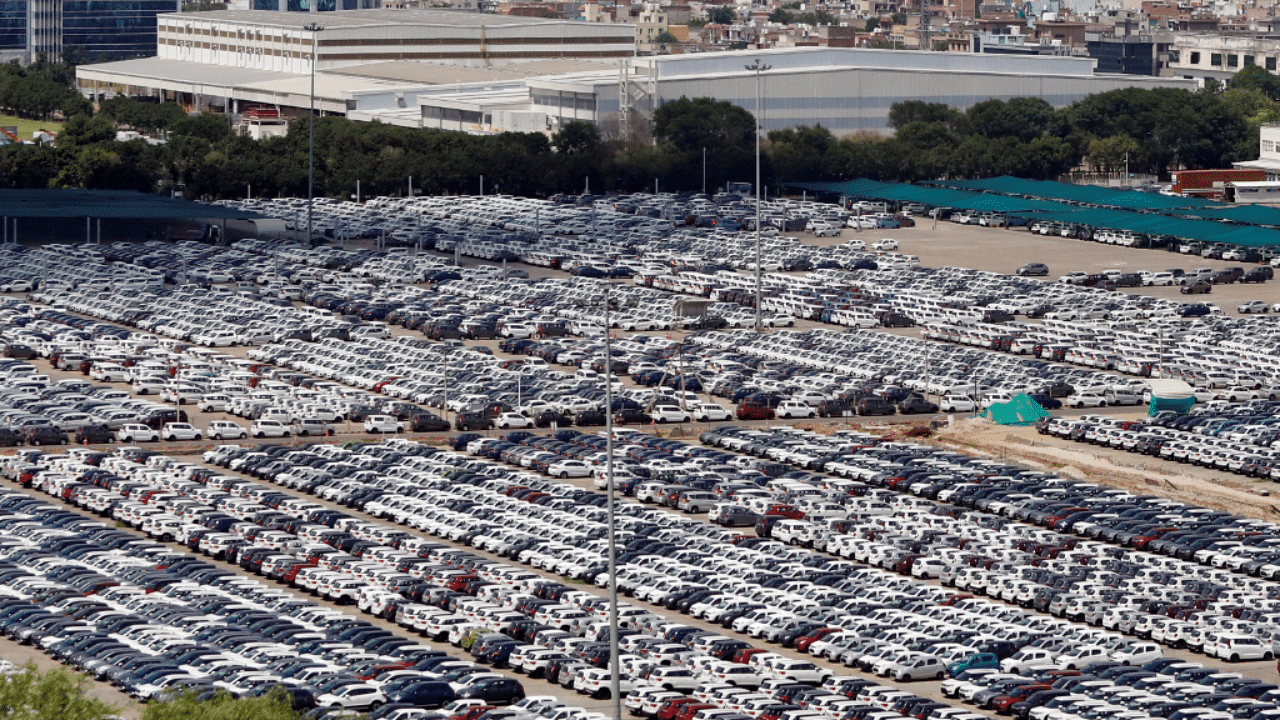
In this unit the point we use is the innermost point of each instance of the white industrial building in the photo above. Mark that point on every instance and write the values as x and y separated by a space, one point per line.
845 90
492 73
225 60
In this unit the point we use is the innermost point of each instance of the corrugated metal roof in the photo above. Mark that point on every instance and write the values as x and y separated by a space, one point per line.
429 73
109 204
363 18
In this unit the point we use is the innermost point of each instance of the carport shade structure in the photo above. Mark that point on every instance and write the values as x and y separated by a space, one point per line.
64 205
1084 205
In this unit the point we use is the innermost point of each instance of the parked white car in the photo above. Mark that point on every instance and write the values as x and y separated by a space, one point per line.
269 428
670 413
569 469
382 424
711 412
136 432
794 409
957 403
180 431
510 420
224 429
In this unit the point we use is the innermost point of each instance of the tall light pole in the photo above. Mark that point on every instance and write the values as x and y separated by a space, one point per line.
615 676
757 67
314 29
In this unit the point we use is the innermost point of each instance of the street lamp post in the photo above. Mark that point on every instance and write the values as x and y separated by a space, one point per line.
444 406
757 67
314 29
615 676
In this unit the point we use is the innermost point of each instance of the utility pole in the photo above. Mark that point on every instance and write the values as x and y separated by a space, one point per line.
314 29
615 675
758 68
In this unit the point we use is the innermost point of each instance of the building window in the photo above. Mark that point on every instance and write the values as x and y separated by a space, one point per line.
1215 59
1268 146
1174 56
1271 64
1248 60
1195 58
1233 60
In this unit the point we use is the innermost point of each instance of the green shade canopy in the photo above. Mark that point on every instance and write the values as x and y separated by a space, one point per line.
109 204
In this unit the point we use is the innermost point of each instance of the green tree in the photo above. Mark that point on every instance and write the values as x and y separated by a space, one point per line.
275 705
722 16
208 126
58 694
1112 153
577 137
1256 77
1022 118
784 17
691 125
904 113
872 24
804 153
85 130
666 37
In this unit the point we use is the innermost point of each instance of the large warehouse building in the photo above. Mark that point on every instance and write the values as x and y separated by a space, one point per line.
226 60
492 73
845 90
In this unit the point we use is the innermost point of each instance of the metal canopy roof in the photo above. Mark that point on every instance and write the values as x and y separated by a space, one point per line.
109 204
1086 194
1101 210
1253 214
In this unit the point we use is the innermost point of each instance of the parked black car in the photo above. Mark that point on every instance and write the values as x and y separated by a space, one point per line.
547 418
916 404
44 435
91 434
473 421
875 406
427 422
10 437
494 691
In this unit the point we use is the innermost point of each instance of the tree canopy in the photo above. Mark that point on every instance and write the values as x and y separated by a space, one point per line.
1157 130
60 694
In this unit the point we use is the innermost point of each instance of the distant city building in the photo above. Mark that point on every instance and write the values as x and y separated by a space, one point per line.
1130 54
96 29
1268 153
1203 56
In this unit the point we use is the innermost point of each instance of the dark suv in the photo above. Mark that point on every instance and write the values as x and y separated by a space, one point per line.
473 421
158 418
91 434
44 435
494 690
427 422
875 406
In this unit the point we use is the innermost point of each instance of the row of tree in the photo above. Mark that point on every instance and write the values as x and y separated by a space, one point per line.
36 91
59 694
695 143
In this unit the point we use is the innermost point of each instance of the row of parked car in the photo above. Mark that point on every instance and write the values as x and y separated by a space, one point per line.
652 585
573 305
1233 438
521 500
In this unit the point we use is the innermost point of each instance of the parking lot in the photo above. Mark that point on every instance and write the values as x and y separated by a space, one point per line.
784 554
